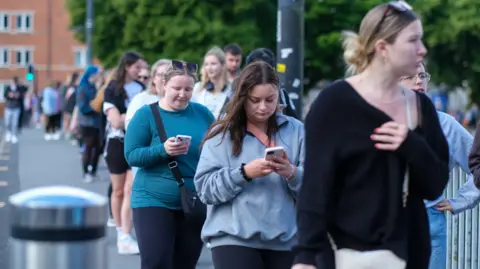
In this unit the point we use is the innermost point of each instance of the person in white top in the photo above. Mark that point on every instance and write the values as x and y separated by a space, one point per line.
212 91
154 90
117 97
151 95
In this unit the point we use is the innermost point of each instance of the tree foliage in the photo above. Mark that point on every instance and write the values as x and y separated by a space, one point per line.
324 22
177 29
186 29
452 36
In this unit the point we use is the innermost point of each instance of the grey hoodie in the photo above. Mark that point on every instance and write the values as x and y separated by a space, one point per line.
257 214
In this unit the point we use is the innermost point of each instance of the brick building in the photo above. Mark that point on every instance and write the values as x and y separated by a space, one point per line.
37 32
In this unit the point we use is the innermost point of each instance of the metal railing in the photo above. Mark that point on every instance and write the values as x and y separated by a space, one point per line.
463 235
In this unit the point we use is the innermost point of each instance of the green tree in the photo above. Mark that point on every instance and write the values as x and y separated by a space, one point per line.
324 22
452 36
186 29
178 29
109 23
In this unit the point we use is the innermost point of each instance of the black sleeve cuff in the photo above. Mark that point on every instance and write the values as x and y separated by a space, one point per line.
305 257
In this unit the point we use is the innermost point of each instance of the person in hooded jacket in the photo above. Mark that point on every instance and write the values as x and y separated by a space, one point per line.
89 121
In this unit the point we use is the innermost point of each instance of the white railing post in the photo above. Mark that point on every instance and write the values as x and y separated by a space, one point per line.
462 230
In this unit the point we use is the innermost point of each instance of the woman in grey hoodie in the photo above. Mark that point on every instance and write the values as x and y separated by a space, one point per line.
251 201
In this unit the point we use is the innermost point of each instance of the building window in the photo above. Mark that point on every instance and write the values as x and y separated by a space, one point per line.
4 22
23 57
18 57
80 57
27 57
24 22
4 57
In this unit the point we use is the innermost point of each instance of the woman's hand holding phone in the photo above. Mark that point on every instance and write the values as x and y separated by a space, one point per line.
282 166
175 148
258 168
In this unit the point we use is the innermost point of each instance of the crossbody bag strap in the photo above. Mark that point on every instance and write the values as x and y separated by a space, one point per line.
172 163
410 127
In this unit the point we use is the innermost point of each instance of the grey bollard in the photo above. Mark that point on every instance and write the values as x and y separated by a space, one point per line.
58 228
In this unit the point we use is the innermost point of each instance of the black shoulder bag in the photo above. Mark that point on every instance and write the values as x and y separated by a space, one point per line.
194 210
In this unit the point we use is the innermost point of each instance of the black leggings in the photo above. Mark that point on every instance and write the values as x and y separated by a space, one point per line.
91 138
54 123
238 257
165 239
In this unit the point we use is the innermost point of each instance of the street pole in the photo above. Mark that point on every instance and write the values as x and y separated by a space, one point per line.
89 31
290 49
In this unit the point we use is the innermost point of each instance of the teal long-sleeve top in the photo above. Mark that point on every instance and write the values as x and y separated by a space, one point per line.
154 184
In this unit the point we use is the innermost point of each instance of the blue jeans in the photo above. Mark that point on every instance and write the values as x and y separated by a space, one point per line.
438 234
12 116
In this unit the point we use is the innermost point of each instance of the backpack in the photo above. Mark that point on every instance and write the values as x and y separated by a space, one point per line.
289 110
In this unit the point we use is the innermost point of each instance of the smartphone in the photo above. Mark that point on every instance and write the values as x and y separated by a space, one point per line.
273 152
184 139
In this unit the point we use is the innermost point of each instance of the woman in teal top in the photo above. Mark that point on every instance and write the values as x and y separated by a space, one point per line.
165 238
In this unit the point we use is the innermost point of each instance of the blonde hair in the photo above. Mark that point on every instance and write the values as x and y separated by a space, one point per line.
109 76
151 85
378 23
217 52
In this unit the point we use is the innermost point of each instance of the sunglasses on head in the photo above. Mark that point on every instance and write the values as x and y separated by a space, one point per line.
397 6
191 68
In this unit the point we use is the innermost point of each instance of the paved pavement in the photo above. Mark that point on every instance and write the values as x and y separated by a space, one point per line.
34 162
9 184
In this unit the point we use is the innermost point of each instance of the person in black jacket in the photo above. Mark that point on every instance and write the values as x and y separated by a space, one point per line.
266 55
23 91
14 96
374 152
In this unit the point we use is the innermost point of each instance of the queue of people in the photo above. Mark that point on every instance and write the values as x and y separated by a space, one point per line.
222 160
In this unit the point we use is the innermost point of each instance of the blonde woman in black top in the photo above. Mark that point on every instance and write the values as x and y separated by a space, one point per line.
374 152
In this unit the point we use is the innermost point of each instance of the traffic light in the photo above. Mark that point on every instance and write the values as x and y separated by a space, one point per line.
30 73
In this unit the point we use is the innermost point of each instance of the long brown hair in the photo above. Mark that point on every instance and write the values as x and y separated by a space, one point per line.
128 59
235 121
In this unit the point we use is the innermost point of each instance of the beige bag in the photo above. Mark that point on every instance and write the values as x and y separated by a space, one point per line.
97 103
377 259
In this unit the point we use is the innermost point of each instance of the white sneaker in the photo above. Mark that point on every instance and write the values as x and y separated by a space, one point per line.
87 178
126 245
8 137
48 137
14 139
111 223
57 136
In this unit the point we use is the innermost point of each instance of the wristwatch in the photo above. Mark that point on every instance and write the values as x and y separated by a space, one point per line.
244 174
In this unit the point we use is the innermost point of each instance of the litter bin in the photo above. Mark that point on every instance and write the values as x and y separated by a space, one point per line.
58 227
